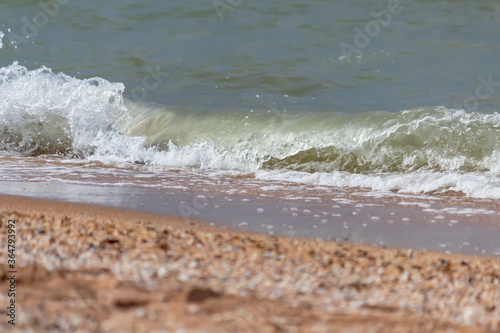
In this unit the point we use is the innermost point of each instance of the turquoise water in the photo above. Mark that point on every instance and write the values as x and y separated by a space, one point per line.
386 95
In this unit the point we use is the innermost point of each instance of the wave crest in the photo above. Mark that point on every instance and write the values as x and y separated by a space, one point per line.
46 113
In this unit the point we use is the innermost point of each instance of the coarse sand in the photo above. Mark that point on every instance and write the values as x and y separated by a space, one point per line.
84 268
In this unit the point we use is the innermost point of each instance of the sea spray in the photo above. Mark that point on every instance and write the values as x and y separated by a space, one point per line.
419 150
46 113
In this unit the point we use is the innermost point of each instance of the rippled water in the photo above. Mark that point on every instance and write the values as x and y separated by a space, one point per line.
430 53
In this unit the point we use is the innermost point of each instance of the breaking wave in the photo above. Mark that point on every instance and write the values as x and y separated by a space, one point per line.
423 149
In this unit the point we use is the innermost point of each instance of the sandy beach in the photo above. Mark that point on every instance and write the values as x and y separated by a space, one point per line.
243 166
91 269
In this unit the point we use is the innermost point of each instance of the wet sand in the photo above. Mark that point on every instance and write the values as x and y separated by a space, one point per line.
96 269
445 222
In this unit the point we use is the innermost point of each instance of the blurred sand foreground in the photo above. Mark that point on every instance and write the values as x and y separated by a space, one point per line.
90 269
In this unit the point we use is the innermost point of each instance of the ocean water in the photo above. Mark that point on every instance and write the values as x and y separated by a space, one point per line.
387 96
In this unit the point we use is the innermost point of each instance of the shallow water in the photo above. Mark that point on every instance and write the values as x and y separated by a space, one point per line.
437 222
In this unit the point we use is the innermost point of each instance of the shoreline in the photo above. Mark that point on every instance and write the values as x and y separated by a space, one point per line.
444 223
119 271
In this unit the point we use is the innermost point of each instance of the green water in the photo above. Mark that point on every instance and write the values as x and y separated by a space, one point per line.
264 54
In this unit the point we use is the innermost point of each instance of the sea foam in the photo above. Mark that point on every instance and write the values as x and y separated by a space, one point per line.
413 151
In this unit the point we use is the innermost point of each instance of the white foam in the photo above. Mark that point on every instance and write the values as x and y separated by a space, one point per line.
47 112
40 109
54 112
1 36
419 204
477 185
461 211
